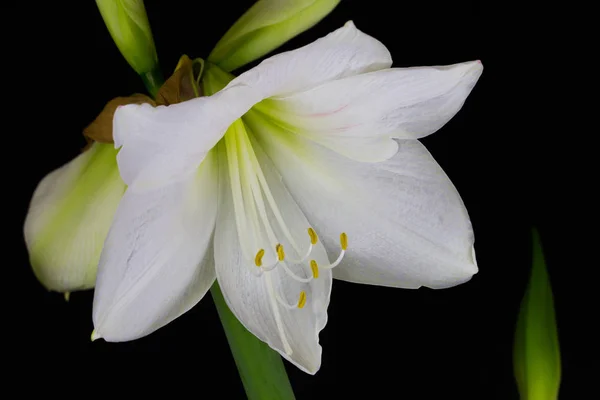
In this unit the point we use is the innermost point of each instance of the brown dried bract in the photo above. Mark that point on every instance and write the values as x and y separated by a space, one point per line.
180 86
100 130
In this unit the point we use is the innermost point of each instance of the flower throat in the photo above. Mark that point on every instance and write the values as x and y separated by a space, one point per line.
260 246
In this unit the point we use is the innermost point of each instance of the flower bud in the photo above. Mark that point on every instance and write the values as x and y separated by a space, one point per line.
536 354
69 217
264 27
128 25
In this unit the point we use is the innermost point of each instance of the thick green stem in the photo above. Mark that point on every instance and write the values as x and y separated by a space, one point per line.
261 369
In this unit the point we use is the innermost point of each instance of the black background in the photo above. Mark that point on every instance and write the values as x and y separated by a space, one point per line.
380 343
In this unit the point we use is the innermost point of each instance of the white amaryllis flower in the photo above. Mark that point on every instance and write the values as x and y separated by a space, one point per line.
302 169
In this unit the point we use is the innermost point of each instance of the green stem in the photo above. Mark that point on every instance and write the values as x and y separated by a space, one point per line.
153 80
261 369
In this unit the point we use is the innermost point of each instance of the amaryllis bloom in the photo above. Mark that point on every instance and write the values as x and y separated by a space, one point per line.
302 169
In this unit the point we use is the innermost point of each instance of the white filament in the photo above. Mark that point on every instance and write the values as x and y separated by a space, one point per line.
336 262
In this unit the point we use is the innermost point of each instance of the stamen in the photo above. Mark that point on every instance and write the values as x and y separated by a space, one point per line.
258 201
302 299
344 246
313 236
336 262
315 268
304 257
295 277
299 304
343 241
269 196
236 189
313 240
258 258
279 261
257 214
280 252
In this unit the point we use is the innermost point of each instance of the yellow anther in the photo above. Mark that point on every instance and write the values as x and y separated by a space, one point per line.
258 258
315 268
313 236
280 252
343 240
302 299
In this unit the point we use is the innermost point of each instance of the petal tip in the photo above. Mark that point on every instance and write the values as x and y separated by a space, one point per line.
310 369
464 275
94 336
469 74
474 259
475 69
313 371
470 268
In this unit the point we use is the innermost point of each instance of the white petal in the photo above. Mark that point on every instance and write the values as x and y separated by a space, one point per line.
68 219
406 223
155 265
344 52
164 144
248 295
372 108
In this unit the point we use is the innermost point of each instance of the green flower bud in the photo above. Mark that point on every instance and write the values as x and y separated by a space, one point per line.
264 27
536 353
69 217
128 25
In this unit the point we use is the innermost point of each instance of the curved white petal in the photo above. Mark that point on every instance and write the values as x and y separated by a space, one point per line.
164 144
156 262
249 296
69 216
406 223
367 109
344 52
